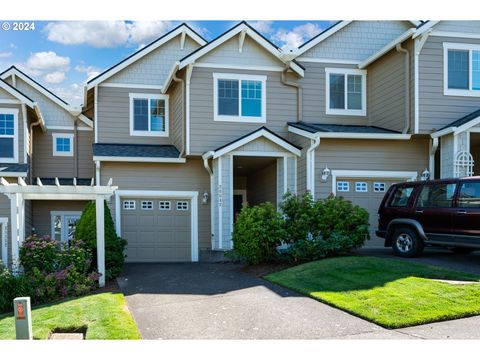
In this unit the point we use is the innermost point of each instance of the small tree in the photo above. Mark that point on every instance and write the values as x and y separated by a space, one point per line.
114 245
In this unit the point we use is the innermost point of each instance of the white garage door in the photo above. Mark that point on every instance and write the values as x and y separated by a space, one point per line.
367 193
157 230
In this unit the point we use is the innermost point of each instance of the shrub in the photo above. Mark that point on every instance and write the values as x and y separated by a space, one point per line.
42 253
297 211
257 232
311 249
12 287
114 245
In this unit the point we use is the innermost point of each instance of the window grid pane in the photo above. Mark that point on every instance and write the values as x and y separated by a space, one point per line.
164 205
476 70
251 98
157 115
140 114
6 124
379 187
62 144
343 186
458 69
361 187
228 97
182 205
147 205
337 91
354 92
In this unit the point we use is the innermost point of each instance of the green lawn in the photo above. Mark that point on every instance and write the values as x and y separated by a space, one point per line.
104 315
389 292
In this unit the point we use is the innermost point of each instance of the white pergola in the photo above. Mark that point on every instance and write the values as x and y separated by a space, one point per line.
18 193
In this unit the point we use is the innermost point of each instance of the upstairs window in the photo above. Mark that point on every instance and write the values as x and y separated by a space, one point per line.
148 115
461 69
8 135
346 92
62 144
239 97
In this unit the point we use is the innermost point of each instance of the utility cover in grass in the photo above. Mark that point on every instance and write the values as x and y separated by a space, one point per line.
389 292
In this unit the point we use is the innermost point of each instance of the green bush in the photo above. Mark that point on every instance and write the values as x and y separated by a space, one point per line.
114 245
12 287
257 232
42 253
298 213
317 248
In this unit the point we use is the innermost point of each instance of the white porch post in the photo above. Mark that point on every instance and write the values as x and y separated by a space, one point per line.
14 230
99 202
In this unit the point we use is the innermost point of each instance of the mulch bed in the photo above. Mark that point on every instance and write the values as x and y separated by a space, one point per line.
110 286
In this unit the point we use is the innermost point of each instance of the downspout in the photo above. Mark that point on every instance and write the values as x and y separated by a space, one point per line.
205 158
299 91
36 123
75 142
407 87
314 143
178 80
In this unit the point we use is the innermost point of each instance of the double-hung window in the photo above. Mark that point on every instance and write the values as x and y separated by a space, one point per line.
62 144
8 135
239 97
148 115
346 92
461 69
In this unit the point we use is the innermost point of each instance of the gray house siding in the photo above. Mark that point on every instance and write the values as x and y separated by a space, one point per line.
153 68
6 95
42 213
177 116
301 161
191 176
436 109
358 40
365 155
207 134
459 26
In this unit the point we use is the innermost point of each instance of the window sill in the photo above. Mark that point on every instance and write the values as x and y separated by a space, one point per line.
9 160
458 92
346 112
69 154
240 119
149 133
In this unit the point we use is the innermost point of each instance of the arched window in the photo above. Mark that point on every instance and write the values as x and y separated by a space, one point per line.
463 164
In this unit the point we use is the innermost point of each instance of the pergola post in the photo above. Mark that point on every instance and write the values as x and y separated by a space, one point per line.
99 202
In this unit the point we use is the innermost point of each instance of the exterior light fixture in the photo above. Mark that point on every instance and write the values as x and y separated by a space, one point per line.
425 175
325 173
205 198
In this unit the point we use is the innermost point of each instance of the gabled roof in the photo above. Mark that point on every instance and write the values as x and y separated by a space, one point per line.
460 125
182 28
330 31
250 31
424 27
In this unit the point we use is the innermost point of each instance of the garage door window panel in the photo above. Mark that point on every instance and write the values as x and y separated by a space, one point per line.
379 187
129 205
147 205
182 205
343 186
164 205
361 186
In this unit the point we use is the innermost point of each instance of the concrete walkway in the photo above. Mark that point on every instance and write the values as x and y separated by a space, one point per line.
219 301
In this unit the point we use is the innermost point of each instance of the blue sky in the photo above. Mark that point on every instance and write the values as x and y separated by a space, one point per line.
62 55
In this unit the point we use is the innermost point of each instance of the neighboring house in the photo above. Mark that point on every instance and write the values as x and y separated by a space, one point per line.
190 130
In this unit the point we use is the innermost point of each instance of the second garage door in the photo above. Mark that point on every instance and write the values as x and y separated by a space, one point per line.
367 193
157 230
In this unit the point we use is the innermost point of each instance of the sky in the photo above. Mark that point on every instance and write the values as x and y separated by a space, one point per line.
63 55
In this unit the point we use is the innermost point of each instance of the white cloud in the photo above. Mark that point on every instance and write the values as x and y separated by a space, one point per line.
55 77
44 61
71 93
263 26
5 54
105 34
297 36
91 71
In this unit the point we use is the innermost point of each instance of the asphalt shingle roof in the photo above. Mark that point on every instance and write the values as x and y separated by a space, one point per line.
5 167
463 120
318 127
134 150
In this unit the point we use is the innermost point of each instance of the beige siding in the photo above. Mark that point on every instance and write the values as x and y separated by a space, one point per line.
301 161
47 165
262 186
436 109
191 176
176 115
368 155
42 220
207 134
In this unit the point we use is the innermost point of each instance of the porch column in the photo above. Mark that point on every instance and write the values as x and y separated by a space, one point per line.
99 202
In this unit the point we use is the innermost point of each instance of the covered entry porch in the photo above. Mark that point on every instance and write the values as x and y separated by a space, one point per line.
258 167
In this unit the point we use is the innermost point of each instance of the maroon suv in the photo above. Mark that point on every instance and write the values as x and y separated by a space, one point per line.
446 212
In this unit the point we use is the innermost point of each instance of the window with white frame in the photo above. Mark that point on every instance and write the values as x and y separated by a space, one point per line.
164 205
379 187
62 144
361 186
343 186
147 205
461 69
182 205
346 92
129 204
239 97
148 115
8 135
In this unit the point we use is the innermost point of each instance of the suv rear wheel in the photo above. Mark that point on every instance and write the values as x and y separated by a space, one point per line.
406 242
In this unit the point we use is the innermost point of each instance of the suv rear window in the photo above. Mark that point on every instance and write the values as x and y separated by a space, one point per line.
469 195
401 196
437 195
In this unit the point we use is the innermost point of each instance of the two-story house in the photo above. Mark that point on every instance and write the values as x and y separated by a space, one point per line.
190 130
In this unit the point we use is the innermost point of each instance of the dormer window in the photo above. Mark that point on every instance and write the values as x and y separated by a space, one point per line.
8 135
239 97
148 115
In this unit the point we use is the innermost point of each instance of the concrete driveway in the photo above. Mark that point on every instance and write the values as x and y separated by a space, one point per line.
219 301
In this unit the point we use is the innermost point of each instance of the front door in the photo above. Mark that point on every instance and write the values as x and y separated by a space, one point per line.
64 225
239 198
466 218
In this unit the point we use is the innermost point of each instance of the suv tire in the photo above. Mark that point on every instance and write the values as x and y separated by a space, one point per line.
406 242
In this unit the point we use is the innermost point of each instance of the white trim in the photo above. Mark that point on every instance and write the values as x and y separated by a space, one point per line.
238 67
295 189
188 77
146 50
169 78
456 130
148 97
345 72
14 112
220 204
139 159
239 118
230 34
386 48
131 86
310 159
62 215
454 34
100 232
425 28
301 132
26 134
56 136
10 102
159 194
328 61
369 174
95 112
15 93
86 121
342 135
4 239
230 185
13 174
70 128
258 153
470 92
315 41
262 132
